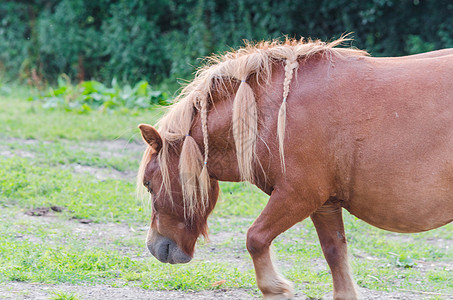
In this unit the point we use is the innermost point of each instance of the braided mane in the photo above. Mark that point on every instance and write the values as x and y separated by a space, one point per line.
251 60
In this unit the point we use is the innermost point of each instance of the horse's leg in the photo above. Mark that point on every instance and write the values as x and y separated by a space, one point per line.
329 225
280 213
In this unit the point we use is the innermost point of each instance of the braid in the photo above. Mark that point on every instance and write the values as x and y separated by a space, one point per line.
204 175
291 64
204 128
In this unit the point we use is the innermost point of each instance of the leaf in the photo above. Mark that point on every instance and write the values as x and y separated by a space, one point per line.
92 86
156 94
142 102
92 94
141 88
405 261
84 109
218 283
60 91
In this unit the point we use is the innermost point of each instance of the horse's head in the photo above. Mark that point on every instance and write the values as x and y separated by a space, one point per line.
172 235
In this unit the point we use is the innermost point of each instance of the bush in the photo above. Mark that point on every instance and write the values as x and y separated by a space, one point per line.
14 37
136 40
89 95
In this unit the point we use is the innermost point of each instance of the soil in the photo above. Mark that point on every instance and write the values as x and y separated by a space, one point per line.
20 290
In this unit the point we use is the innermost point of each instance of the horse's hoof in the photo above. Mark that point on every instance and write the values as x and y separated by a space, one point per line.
284 296
277 289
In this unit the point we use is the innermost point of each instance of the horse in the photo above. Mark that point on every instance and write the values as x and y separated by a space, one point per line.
317 127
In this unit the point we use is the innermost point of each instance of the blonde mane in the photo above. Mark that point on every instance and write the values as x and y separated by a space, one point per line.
252 60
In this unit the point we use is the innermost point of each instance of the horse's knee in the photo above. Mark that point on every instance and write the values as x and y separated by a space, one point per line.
256 243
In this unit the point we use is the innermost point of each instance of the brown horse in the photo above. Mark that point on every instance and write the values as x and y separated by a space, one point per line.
318 129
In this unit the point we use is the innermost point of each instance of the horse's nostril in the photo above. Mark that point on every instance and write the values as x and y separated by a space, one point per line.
168 247
167 251
163 251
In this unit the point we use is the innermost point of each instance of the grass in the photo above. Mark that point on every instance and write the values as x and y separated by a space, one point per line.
28 120
60 295
84 153
56 253
39 149
28 185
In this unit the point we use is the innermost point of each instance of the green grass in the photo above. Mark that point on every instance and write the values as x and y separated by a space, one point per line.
42 149
52 253
84 153
59 295
28 120
28 185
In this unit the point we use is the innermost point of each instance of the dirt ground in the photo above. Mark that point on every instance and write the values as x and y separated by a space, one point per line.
18 290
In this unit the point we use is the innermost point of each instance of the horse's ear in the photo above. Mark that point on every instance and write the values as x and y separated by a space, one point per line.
151 136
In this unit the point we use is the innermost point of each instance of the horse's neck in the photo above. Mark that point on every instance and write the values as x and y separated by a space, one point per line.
222 162
222 159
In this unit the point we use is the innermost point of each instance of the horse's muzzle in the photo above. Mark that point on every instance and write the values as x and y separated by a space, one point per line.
166 250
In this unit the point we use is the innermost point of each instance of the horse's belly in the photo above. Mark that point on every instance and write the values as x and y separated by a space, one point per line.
401 206
402 175
396 220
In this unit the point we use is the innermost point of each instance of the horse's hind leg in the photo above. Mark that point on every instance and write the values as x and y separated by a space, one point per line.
328 221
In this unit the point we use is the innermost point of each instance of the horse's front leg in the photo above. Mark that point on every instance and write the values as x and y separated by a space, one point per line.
328 222
281 212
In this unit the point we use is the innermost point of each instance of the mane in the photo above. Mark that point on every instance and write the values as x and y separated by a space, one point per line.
255 59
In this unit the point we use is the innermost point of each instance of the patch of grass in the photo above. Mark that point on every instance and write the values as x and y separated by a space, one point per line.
131 276
24 184
28 120
240 199
53 264
75 261
388 245
61 295
58 252
67 153
197 276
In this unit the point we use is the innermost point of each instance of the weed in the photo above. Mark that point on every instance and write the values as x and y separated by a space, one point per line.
89 95
61 295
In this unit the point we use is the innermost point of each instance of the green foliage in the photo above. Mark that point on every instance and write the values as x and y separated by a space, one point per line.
415 44
405 261
28 185
60 295
92 94
162 40
14 36
28 120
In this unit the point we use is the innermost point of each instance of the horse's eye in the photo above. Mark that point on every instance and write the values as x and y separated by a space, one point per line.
147 183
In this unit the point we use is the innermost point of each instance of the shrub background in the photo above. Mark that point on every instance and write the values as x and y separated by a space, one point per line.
160 40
